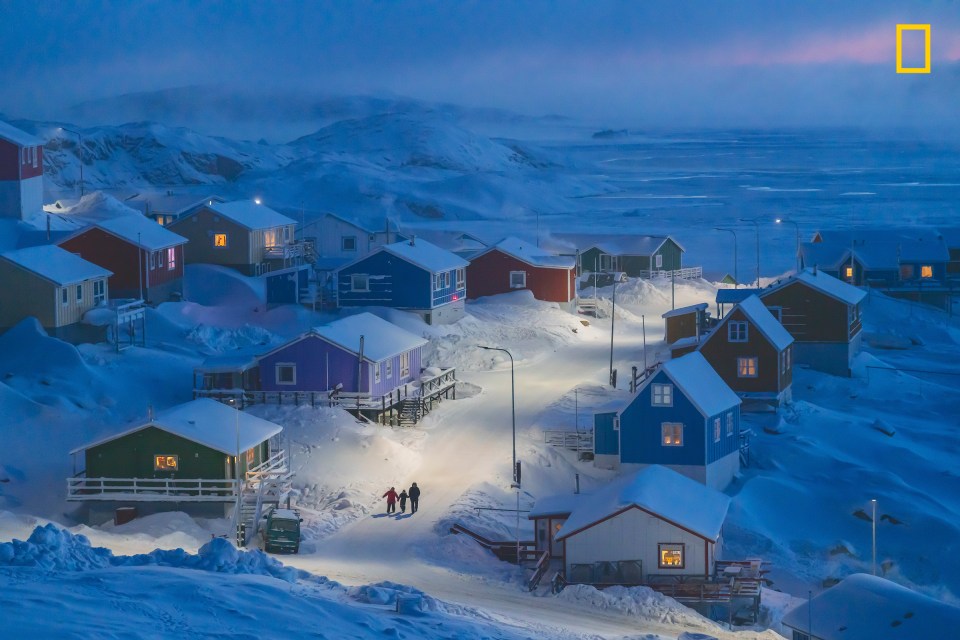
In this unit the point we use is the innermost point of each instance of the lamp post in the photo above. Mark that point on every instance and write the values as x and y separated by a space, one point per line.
236 471
756 223
513 423
79 155
735 277
873 520
797 227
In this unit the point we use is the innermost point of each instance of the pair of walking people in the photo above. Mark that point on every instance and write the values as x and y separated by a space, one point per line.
393 497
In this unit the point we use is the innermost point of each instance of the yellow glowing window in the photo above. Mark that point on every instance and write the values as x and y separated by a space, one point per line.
671 434
746 367
671 556
849 272
926 271
166 463
220 240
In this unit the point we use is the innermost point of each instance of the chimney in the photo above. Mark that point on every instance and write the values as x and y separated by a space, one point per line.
413 239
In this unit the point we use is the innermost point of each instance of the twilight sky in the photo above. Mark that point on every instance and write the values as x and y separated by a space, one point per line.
662 62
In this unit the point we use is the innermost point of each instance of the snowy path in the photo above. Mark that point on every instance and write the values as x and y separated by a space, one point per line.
470 439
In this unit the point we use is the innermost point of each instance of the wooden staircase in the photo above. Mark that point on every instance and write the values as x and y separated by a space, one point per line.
411 410
267 484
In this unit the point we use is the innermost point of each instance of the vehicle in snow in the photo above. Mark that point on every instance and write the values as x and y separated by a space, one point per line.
281 531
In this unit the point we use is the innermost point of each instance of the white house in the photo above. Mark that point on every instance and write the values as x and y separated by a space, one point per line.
653 521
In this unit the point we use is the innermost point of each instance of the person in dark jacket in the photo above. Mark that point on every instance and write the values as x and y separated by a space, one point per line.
403 501
391 497
414 494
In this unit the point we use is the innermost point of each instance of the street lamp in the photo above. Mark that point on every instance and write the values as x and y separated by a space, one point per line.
736 280
797 227
513 422
79 155
756 223
236 470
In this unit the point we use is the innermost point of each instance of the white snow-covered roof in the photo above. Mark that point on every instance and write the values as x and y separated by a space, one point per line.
619 244
824 283
251 215
685 310
700 383
142 232
381 339
660 491
285 514
558 505
865 607
55 264
17 136
530 253
763 320
207 422
689 341
426 255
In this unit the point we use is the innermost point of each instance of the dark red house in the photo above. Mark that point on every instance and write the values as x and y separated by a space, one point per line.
752 352
21 173
513 264
146 259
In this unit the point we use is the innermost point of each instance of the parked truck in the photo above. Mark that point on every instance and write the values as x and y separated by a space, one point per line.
281 531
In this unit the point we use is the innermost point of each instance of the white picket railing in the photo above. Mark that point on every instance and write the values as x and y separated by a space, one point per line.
687 273
152 489
572 440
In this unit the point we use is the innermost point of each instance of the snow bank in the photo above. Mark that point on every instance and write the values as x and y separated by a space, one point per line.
641 602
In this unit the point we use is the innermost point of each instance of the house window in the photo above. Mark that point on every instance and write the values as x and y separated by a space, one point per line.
926 271
438 282
220 240
165 462
659 261
286 373
25 153
716 429
606 262
171 258
446 279
33 155
461 278
376 372
359 282
787 359
671 434
906 272
737 332
251 456
730 423
776 312
99 291
661 395
63 295
848 273
389 372
671 555
405 364
79 292
616 423
518 279
348 243
746 367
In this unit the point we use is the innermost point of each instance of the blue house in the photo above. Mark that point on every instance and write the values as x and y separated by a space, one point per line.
683 417
413 275
330 357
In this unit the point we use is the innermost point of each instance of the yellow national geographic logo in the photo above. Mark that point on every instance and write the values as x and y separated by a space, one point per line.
925 28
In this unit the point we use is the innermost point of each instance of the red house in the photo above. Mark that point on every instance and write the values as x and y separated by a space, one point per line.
21 173
513 264
146 259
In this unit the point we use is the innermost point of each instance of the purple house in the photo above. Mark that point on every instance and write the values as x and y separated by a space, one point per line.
329 357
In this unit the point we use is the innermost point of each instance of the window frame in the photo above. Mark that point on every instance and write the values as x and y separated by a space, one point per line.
461 278
285 365
404 364
437 282
65 295
344 241
926 271
446 279
376 372
99 291
675 428
682 550
738 325
848 272
776 312
729 423
355 277
388 370
171 258
226 240
80 292
165 457
741 360
665 393
658 260
717 429
523 280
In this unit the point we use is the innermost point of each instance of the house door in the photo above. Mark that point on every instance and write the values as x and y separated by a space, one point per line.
557 549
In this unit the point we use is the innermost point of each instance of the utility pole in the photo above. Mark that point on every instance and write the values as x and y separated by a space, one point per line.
613 320
873 503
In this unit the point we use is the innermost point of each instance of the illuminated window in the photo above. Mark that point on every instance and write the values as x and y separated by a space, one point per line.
164 462
737 332
359 282
716 429
730 423
348 243
518 279
746 367
405 364
671 555
171 258
220 240
286 373
926 271
848 272
671 434
661 395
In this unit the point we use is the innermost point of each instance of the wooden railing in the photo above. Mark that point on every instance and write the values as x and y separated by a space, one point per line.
687 273
272 467
572 440
539 569
151 489
505 550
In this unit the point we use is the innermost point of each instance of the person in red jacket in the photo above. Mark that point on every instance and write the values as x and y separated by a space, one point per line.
391 497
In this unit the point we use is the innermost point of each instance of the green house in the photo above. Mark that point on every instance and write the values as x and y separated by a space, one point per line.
189 453
637 256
